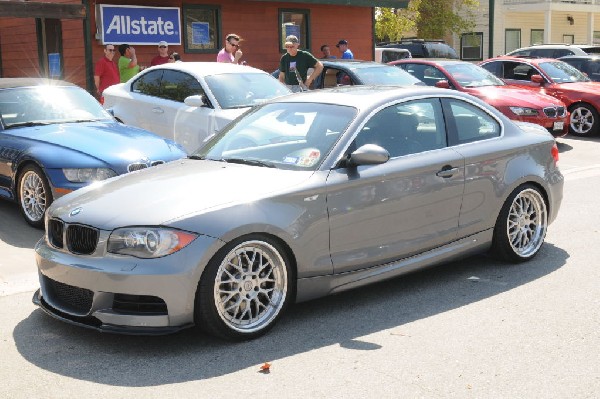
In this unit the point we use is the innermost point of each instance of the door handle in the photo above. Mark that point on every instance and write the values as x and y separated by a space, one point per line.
447 171
158 110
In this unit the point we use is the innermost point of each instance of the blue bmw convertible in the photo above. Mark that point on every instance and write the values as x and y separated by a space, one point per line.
55 138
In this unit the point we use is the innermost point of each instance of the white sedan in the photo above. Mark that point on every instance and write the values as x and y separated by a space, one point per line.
189 101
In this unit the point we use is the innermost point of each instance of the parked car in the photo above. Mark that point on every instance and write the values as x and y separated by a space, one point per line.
421 48
189 101
380 181
587 64
56 138
554 50
340 72
385 55
558 79
516 103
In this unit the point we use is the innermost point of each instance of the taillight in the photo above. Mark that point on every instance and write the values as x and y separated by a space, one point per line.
554 153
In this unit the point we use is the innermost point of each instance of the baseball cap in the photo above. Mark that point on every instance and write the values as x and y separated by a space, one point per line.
292 39
341 42
162 43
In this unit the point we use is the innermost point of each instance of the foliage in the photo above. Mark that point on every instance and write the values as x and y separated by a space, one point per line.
432 19
393 23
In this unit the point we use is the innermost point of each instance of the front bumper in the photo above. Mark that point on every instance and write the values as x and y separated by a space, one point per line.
122 294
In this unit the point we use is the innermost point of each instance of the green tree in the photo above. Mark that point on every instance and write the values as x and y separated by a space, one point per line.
432 19
439 18
393 23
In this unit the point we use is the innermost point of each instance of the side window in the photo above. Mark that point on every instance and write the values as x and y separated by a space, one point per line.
523 72
406 128
469 123
495 68
148 83
177 86
335 77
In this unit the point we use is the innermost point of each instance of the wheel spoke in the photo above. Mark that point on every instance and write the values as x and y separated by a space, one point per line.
251 286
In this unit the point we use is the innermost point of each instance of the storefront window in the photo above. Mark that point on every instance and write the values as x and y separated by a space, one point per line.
294 22
202 26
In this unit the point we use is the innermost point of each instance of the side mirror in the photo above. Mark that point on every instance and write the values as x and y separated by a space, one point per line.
537 79
442 84
197 101
368 154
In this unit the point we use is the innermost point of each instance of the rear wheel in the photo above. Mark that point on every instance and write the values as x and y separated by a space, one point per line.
521 226
244 289
584 120
34 194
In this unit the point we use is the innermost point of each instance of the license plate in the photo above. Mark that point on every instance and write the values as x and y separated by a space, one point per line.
558 126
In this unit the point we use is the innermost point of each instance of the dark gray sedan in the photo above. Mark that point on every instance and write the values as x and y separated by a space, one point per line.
304 196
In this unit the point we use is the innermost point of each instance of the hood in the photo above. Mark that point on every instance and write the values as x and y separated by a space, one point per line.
510 96
168 192
111 142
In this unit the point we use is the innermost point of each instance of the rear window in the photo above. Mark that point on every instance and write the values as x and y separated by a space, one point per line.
591 50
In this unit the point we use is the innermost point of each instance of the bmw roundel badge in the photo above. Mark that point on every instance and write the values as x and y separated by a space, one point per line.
75 211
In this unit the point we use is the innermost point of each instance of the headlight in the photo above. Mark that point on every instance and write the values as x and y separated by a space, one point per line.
148 242
524 111
85 175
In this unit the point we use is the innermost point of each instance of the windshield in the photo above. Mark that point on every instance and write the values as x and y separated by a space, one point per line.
46 104
237 90
283 135
385 75
469 75
561 72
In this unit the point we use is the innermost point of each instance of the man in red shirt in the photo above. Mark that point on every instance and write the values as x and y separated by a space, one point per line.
106 72
163 54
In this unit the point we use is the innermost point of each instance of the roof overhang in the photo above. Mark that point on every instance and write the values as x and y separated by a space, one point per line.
358 3
29 9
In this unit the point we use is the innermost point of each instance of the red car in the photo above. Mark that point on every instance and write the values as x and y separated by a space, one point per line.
517 104
558 79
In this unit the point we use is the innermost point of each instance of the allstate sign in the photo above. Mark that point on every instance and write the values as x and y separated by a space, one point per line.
140 25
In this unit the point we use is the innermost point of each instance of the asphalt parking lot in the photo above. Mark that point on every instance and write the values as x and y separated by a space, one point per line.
477 328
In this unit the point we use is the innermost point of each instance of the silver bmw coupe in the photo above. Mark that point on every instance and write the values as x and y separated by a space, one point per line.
303 196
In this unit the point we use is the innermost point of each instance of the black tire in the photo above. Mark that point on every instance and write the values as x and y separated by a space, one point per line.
245 289
521 225
33 194
584 120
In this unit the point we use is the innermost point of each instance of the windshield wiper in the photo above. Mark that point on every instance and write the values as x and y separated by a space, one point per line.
253 162
27 124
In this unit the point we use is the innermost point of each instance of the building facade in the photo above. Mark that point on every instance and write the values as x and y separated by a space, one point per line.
64 38
505 25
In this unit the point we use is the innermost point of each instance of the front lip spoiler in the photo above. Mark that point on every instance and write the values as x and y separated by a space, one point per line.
93 323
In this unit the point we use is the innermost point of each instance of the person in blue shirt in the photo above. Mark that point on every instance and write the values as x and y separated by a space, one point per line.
343 47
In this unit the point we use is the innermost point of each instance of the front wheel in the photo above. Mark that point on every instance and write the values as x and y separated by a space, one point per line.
35 195
521 226
244 289
584 120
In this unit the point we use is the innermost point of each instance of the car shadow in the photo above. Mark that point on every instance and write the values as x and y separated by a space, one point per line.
341 319
563 147
20 234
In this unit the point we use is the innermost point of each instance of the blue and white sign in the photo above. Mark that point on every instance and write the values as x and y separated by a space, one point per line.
140 25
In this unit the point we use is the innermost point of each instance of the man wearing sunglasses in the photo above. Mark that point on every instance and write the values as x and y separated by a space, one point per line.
163 54
106 72
232 52
294 65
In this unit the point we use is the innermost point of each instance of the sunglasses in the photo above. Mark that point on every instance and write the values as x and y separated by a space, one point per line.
234 45
112 50
289 46
162 46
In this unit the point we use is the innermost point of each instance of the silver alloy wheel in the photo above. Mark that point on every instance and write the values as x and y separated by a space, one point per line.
250 286
33 196
527 223
582 120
